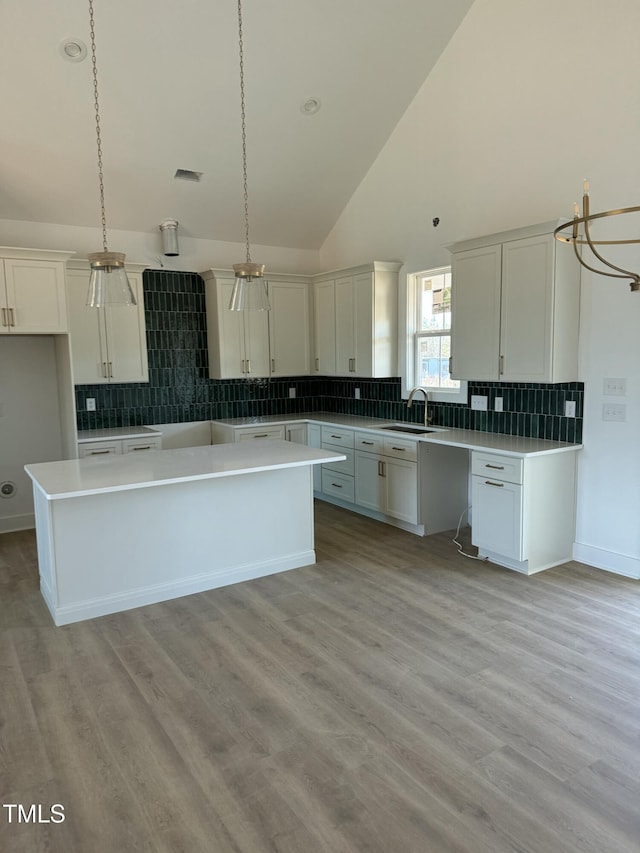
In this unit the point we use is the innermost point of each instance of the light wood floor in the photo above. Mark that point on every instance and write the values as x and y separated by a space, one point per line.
394 698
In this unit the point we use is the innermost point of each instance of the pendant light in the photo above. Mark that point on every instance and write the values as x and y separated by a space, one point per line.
109 284
250 287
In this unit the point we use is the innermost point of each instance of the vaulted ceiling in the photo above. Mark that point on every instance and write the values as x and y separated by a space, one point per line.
169 94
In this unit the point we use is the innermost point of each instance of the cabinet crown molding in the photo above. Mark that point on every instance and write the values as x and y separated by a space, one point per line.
38 254
505 236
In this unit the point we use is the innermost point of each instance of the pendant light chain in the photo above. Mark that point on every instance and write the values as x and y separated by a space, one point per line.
98 134
244 134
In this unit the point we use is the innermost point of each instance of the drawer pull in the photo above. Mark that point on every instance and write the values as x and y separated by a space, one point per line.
146 447
261 435
367 442
497 485
401 449
98 452
336 436
337 485
495 467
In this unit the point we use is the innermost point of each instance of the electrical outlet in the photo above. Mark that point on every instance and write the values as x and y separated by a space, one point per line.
91 404
498 404
569 408
356 392
479 402
615 387
614 412
292 393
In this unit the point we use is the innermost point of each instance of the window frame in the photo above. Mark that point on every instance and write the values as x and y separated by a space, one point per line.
411 336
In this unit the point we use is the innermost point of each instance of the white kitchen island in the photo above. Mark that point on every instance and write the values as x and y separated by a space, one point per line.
124 531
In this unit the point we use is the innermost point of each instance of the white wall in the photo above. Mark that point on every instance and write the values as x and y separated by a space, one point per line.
195 255
527 100
29 419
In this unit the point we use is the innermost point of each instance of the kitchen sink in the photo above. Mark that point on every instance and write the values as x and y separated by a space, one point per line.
414 430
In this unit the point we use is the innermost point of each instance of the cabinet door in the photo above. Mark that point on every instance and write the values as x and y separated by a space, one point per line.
367 327
256 341
497 523
526 319
225 332
345 327
126 338
36 296
289 329
296 433
100 448
401 489
475 295
5 327
370 484
324 318
86 332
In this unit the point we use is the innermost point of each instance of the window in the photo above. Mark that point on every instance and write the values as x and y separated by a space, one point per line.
429 335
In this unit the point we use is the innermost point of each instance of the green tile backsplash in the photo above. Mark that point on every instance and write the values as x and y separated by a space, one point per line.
179 389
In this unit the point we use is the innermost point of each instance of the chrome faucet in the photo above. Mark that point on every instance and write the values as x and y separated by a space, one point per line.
428 417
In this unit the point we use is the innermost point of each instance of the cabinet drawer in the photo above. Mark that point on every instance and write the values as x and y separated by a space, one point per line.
100 448
337 436
260 432
401 448
495 467
338 485
135 445
368 442
345 466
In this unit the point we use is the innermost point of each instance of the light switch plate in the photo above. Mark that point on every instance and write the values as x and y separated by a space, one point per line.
91 404
356 393
498 404
569 408
615 387
292 392
614 412
479 402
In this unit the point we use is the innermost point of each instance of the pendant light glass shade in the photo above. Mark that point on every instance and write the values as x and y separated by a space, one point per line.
109 284
250 291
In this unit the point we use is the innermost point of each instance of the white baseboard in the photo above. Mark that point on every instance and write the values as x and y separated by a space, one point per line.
610 561
164 592
17 522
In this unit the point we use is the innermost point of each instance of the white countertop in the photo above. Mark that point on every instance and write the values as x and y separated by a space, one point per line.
78 477
510 445
86 436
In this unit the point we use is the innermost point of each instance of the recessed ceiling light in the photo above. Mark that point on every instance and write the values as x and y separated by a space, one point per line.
73 50
187 175
310 106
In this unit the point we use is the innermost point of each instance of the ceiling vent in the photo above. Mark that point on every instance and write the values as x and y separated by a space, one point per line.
187 175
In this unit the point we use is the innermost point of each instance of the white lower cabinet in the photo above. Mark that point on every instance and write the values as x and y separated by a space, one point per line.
118 446
385 483
297 433
251 433
338 477
523 509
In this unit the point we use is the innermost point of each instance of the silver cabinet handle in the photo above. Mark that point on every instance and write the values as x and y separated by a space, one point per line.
4 317
317 364
501 365
496 467
450 365
146 447
336 436
248 365
337 485
401 449
104 369
98 452
12 320
261 435
110 369
273 365
367 442
497 485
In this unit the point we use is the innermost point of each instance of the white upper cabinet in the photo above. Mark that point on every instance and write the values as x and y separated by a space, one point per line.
355 323
238 341
32 292
244 344
516 308
289 328
107 344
